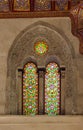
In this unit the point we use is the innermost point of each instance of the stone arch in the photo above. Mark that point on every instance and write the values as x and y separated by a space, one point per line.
60 48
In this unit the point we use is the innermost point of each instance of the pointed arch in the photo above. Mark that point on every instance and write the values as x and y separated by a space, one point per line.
59 46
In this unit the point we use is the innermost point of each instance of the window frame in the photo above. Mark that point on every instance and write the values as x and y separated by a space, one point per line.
19 82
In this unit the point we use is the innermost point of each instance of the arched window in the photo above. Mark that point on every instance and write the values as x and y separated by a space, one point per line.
30 89
41 96
52 89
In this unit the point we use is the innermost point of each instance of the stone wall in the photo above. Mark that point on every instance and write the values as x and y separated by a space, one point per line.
14 34
41 122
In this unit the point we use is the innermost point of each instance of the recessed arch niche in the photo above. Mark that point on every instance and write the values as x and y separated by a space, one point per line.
22 52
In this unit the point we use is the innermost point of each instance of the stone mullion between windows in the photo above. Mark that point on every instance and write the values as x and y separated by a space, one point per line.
41 91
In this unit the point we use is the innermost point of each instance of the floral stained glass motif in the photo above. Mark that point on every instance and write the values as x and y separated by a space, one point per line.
41 5
41 47
61 5
22 5
30 90
4 5
52 89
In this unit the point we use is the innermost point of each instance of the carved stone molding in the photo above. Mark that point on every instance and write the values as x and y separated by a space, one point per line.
22 51
74 13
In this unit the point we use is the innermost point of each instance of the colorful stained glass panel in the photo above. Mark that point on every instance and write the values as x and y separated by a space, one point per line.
52 89
22 5
30 89
41 47
4 5
41 5
61 5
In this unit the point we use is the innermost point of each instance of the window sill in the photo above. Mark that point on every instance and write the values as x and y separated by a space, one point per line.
41 122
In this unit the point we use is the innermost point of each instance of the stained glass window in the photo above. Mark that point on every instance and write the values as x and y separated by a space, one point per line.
52 89
4 5
61 5
22 5
41 5
41 47
30 89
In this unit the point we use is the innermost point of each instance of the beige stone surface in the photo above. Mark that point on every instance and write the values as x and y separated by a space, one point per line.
41 122
80 103
10 28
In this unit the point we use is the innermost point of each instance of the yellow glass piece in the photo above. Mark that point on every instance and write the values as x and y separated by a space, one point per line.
41 47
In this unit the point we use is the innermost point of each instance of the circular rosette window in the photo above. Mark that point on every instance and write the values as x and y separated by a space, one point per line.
41 47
